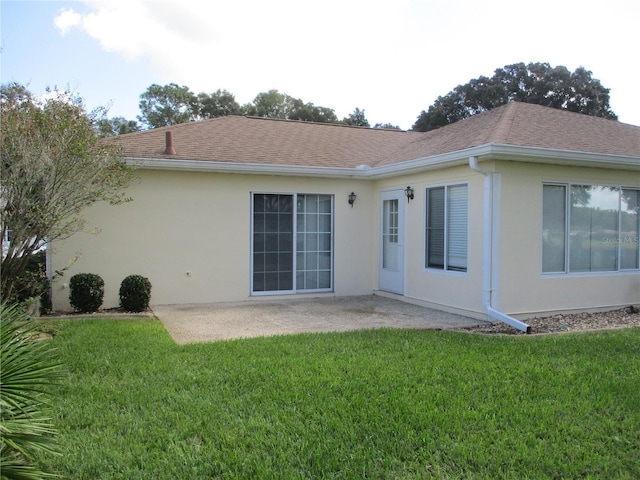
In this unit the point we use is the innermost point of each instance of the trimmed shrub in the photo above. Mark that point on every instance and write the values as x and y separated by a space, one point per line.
86 292
135 293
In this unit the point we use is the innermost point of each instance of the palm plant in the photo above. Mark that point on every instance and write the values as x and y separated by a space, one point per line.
27 374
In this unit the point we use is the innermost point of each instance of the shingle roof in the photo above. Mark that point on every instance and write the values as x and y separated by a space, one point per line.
251 140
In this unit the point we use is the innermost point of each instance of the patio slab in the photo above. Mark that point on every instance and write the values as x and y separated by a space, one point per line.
256 318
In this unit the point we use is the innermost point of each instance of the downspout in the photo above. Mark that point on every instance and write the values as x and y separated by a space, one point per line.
488 264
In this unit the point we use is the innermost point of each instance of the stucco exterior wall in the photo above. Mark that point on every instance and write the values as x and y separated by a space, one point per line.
445 290
523 289
189 233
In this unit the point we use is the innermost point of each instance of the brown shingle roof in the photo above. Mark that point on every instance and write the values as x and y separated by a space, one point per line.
253 140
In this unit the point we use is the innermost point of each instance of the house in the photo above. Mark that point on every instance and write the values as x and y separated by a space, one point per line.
517 212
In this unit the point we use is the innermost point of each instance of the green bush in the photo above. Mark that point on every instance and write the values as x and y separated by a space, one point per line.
135 293
28 373
33 283
86 292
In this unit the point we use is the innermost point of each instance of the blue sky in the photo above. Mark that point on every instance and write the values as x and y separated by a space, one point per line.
390 58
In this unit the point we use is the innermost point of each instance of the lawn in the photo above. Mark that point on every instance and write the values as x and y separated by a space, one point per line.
366 404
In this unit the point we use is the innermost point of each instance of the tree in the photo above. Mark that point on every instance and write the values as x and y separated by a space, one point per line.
54 165
537 83
357 119
218 104
162 106
387 126
308 112
273 104
111 127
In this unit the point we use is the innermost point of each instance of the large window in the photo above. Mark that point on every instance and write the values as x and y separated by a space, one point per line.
446 228
590 228
281 264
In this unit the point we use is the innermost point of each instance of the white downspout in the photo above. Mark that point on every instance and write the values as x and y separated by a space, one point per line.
487 257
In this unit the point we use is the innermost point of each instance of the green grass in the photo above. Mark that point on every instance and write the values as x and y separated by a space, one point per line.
367 404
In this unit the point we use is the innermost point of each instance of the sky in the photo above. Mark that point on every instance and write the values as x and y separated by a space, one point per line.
390 58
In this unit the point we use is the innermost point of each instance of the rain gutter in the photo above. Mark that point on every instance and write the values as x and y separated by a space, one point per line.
489 289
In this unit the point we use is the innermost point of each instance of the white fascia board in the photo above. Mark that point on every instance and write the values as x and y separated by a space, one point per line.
244 168
449 159
563 157
459 157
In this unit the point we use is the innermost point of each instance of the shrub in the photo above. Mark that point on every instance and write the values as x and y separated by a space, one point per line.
32 283
28 373
86 292
135 293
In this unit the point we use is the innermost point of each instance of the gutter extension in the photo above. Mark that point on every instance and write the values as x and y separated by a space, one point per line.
487 260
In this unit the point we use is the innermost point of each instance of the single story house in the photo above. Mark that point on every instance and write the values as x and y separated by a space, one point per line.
517 212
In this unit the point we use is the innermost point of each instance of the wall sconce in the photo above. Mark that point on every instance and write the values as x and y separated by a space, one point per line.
352 199
409 193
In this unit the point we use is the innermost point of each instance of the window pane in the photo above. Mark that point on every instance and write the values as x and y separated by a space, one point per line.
593 219
457 228
324 224
272 242
314 236
554 201
629 229
324 261
435 228
324 279
390 234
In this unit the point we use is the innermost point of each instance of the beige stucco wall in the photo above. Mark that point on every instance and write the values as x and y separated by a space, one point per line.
523 290
449 291
188 232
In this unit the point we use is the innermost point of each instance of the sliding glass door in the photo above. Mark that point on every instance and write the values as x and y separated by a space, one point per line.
280 264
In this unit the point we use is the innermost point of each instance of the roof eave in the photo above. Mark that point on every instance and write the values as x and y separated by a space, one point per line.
563 157
492 151
242 168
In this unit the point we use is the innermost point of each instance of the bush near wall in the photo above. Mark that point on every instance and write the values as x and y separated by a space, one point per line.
135 293
33 283
86 292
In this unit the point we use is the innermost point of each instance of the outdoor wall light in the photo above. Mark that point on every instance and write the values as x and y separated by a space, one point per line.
409 193
352 199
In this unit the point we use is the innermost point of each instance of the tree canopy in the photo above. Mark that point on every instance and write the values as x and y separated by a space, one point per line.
166 105
111 127
170 104
356 118
53 166
538 83
217 104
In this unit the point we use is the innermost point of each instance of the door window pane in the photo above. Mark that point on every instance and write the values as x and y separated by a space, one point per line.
314 242
390 234
272 242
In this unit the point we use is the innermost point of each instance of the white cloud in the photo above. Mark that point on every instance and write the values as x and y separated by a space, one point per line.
66 20
391 58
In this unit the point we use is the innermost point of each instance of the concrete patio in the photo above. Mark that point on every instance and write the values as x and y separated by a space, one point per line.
282 316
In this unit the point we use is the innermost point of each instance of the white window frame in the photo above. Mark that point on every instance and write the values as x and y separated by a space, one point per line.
446 267
567 232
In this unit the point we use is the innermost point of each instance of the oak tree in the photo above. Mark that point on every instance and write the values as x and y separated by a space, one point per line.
538 83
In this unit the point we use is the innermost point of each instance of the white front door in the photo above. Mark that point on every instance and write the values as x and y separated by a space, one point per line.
391 259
